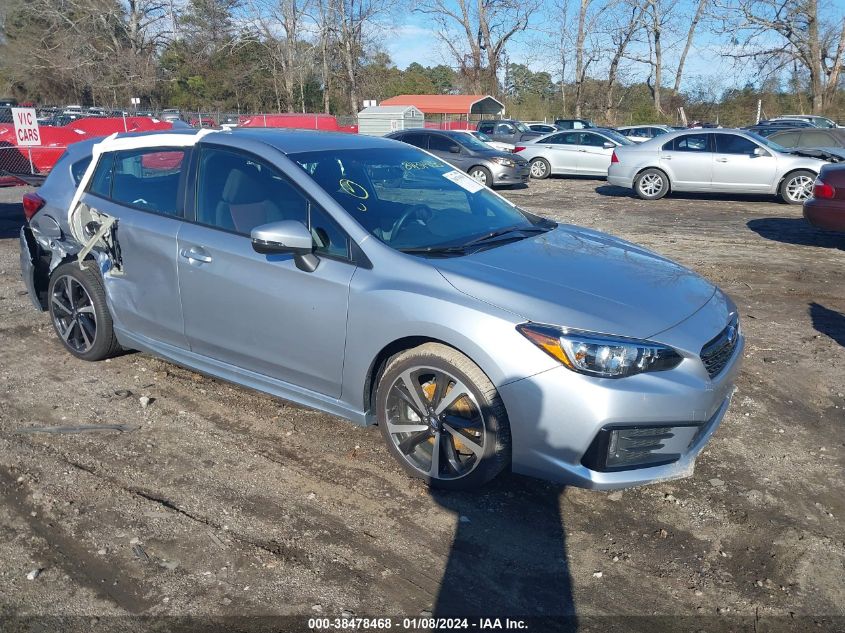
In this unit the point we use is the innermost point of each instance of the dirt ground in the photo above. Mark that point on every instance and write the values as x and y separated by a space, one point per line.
220 502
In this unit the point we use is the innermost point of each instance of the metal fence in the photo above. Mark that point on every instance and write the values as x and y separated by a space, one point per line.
20 165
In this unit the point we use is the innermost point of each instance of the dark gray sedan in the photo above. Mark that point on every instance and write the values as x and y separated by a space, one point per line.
483 163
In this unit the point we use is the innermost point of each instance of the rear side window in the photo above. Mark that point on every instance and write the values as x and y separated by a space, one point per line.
417 140
566 138
148 179
812 138
145 179
787 139
689 143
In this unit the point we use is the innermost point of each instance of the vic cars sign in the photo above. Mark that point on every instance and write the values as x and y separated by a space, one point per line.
26 126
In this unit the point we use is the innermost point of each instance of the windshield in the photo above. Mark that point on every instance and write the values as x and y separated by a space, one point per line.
469 141
411 200
616 136
521 126
767 142
481 136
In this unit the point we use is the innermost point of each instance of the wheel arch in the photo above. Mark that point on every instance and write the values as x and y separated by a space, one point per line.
792 171
379 363
660 169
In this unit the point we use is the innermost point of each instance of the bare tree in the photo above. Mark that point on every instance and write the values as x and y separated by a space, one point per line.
621 36
699 13
802 36
485 27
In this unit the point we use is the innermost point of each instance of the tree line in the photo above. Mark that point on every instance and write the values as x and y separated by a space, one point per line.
328 55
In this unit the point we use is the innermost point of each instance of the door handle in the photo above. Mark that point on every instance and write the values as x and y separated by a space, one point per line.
669 157
721 160
197 254
582 150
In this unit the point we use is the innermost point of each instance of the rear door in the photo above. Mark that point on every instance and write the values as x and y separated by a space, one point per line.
688 159
593 156
143 189
261 312
737 168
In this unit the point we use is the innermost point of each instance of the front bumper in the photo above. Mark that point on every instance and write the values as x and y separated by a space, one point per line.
556 415
510 175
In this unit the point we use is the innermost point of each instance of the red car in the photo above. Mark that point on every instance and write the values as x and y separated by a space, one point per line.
826 209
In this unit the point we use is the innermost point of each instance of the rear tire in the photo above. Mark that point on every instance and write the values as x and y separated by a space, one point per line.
540 168
651 184
482 175
797 186
456 440
77 304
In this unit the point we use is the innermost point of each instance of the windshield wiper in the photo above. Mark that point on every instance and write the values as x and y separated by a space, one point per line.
493 235
434 250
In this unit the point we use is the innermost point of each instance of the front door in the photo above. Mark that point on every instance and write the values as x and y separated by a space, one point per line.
564 152
593 156
737 168
261 312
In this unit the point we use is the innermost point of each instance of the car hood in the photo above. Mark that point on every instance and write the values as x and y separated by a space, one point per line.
582 279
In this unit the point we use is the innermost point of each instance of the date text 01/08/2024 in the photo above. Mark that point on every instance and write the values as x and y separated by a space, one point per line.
414 624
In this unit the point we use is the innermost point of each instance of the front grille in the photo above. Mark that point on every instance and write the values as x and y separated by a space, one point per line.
716 353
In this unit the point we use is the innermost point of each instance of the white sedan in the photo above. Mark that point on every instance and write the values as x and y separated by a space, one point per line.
575 152
642 133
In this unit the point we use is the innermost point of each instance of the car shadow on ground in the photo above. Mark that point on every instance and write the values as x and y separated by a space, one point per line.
625 192
11 219
829 322
508 558
796 231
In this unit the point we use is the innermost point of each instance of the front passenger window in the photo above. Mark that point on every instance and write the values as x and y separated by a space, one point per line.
238 192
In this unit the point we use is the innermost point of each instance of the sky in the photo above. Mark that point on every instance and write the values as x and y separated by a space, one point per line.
416 40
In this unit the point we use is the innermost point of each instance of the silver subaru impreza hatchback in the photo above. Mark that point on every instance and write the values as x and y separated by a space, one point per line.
369 279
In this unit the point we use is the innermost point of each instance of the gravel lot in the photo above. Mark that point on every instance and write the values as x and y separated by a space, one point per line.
219 501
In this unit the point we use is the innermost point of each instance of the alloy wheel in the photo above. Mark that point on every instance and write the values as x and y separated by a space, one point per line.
73 314
435 423
651 184
799 188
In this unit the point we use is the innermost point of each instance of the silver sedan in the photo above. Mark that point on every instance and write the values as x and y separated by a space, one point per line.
572 152
367 278
719 160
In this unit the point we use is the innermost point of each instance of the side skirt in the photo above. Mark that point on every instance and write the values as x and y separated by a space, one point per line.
240 376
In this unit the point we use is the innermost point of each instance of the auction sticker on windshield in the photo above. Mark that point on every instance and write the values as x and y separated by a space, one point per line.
463 181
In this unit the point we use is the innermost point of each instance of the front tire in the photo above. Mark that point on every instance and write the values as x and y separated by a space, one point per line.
482 175
797 186
540 168
78 311
651 184
442 418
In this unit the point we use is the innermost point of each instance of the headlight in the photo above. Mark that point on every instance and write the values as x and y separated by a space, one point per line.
504 162
600 355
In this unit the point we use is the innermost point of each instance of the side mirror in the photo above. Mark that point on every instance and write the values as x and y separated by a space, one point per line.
287 236
455 149
608 145
759 151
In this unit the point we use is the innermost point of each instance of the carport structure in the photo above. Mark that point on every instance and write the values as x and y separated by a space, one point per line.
451 112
